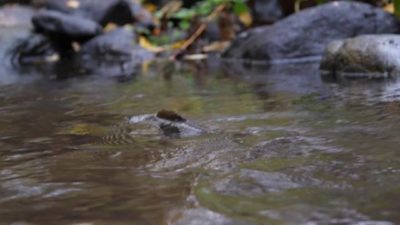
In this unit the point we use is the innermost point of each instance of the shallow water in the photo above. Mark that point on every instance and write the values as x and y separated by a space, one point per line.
282 147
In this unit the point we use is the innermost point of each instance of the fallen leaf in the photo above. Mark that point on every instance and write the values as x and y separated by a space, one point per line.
389 8
146 44
73 4
246 19
217 46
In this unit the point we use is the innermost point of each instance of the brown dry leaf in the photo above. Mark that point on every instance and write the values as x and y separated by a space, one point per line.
150 7
389 8
171 7
217 46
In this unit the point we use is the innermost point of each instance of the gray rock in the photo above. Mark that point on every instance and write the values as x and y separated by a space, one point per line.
111 44
305 34
366 55
120 12
34 49
60 25
5 2
113 53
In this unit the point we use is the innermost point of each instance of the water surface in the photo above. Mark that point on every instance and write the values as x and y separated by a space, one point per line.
282 147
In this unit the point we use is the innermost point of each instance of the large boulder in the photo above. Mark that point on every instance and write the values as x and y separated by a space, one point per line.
63 26
120 12
366 55
306 33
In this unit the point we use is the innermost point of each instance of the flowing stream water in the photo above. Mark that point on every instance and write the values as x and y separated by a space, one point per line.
282 146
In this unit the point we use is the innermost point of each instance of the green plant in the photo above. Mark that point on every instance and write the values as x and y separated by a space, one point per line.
396 4
204 8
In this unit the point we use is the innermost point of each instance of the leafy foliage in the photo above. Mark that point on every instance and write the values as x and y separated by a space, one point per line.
205 8
396 7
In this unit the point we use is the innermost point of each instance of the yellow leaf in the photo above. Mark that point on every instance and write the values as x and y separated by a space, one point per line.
389 8
110 27
150 7
145 43
246 19
177 45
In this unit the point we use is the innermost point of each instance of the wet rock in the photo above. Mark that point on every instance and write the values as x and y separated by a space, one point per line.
66 27
113 54
120 12
305 34
202 216
366 55
34 49
116 43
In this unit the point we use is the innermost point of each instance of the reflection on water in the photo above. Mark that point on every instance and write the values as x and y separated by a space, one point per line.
281 147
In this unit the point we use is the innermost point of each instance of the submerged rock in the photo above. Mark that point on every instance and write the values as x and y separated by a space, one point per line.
120 12
366 55
66 27
306 33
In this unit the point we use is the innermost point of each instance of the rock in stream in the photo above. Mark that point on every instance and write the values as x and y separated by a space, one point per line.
120 12
65 27
365 56
305 34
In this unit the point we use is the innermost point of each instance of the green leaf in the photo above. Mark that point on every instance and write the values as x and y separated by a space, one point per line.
184 14
396 7
240 7
184 25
